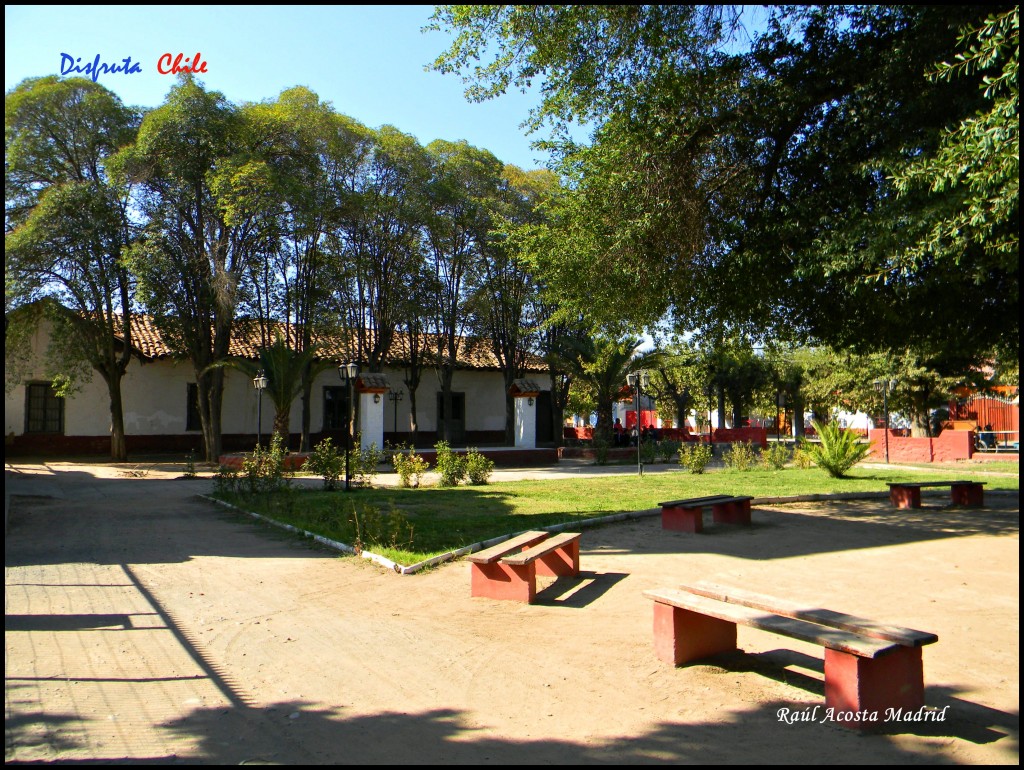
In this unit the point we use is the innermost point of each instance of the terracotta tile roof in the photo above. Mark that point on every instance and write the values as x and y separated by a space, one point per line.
245 343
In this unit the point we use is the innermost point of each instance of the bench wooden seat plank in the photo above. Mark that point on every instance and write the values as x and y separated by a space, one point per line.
864 673
513 575
832 638
907 637
513 544
908 494
933 483
688 515
542 548
693 501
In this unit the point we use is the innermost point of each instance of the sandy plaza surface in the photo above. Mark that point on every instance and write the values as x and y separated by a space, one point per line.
145 624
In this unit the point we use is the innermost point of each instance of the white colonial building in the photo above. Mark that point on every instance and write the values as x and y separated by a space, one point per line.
160 414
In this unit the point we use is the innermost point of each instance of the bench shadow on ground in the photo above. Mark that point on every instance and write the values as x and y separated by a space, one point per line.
578 591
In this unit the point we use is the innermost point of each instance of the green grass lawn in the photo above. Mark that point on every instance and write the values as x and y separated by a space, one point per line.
444 519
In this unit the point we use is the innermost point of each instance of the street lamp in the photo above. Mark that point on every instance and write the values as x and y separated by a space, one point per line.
884 387
348 373
394 397
638 381
260 383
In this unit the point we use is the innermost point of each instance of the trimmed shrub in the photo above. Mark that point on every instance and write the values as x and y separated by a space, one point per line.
478 467
366 463
263 470
695 457
802 454
775 457
409 466
325 461
740 456
449 466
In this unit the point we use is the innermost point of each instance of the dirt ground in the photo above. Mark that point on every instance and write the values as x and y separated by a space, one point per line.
143 624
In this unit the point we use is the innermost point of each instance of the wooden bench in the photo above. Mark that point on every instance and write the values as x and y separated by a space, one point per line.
509 570
907 494
869 667
688 515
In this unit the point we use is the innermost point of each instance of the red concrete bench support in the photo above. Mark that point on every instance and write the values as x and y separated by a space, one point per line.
970 494
688 515
509 570
869 667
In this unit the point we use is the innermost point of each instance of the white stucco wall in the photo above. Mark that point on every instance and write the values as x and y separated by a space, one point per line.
155 401
526 423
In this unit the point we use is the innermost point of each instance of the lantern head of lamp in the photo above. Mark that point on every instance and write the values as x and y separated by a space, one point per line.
260 381
349 371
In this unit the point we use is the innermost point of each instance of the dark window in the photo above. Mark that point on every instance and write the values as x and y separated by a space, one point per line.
335 407
44 409
192 414
458 406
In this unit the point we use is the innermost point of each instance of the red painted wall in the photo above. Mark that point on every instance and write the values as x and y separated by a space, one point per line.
949 446
757 436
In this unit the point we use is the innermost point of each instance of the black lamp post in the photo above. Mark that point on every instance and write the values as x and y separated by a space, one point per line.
884 386
638 381
348 373
260 383
394 397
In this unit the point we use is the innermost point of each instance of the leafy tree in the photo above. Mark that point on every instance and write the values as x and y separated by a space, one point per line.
207 191
316 153
68 227
980 157
380 233
464 184
503 284
715 169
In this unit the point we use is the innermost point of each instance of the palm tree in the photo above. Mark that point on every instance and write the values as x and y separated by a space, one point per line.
282 365
601 364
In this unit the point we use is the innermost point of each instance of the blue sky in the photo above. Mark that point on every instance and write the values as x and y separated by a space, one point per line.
367 61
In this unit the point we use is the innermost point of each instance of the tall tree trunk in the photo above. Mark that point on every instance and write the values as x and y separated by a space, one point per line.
118 443
306 440
211 399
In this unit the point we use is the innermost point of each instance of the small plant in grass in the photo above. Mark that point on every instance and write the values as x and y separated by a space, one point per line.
449 466
478 467
380 529
695 457
740 456
326 461
190 465
600 447
409 466
837 449
775 457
